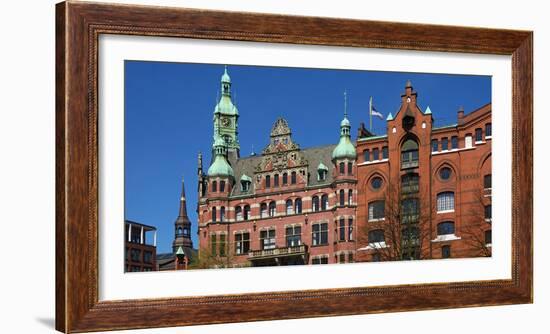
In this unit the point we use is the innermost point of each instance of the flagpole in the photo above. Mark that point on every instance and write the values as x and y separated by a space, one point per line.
370 114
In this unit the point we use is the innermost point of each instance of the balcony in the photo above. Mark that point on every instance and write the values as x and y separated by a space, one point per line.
278 256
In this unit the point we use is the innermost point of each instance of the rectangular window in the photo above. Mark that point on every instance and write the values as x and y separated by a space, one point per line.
350 168
293 236
376 210
445 201
409 183
135 255
468 141
446 252
350 229
410 211
293 178
385 153
242 243
319 234
148 257
213 245
444 144
435 145
487 181
222 244
488 212
366 155
375 154
285 178
479 135
488 130
454 142
342 230
267 239
222 186
342 258
320 260
267 181
488 237
350 258
276 180
342 168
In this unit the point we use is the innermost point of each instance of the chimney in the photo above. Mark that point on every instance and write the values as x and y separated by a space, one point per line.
460 115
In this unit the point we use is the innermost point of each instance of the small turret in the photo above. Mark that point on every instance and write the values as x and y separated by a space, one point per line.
345 148
220 166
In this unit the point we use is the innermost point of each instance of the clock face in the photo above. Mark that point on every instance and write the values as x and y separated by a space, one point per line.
226 121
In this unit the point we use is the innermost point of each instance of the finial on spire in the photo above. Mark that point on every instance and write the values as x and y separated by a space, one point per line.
345 103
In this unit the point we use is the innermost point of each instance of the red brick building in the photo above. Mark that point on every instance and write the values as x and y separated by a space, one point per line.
425 191
416 192
286 206
140 250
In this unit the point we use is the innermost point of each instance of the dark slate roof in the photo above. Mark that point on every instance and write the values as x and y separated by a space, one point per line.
313 155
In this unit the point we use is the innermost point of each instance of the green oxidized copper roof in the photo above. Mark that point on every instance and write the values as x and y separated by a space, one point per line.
344 149
225 76
322 166
246 178
180 251
226 106
220 166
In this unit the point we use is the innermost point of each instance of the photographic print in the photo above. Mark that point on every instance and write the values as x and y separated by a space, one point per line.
231 166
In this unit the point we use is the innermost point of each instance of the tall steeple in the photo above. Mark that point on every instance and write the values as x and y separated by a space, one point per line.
226 116
182 224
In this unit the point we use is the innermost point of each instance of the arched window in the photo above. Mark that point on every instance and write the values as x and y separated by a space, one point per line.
315 203
289 207
238 213
376 210
263 210
276 180
293 178
342 168
268 181
350 197
272 209
214 186
445 228
245 185
409 154
445 201
350 168
342 197
246 212
285 179
376 236
298 205
222 214
324 202
180 231
222 186
214 214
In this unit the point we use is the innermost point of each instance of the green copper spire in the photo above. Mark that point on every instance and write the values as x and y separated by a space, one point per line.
345 148
390 117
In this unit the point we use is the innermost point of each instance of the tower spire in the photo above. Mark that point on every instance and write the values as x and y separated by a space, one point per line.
345 104
183 206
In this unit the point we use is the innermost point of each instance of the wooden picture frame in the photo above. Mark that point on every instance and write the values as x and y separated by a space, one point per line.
78 27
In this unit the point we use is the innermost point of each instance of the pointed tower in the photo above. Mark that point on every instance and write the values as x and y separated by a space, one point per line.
182 225
345 149
226 118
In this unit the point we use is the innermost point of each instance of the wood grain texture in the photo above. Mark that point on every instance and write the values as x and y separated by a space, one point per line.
78 27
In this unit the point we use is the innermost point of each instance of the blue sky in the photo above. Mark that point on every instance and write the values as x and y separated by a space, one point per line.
169 109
